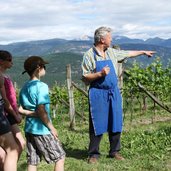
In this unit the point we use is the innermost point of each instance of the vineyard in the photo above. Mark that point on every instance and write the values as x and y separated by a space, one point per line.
146 138
154 79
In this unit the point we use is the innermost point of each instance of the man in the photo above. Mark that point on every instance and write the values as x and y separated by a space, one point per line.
105 103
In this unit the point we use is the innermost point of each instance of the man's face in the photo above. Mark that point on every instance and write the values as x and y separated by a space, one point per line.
107 40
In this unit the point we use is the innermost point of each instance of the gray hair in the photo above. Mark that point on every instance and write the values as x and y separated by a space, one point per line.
101 32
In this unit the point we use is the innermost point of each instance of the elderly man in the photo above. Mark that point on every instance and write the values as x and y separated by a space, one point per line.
105 103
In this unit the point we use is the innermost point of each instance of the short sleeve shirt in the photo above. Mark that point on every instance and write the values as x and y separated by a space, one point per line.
89 65
32 94
10 92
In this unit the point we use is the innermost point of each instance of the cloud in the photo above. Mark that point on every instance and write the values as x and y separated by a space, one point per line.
33 20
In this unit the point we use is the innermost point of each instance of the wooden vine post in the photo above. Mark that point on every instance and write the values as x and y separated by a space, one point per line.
71 97
120 75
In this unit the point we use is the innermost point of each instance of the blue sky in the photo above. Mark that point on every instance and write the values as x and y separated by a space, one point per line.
25 20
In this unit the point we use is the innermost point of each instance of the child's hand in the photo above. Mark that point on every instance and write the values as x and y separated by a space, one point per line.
54 132
26 112
18 118
21 110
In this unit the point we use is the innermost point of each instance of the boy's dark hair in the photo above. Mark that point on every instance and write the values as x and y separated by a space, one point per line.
32 63
4 55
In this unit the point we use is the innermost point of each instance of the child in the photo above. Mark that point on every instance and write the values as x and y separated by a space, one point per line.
8 145
41 136
10 101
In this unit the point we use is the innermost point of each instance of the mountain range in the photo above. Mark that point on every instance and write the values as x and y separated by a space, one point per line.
60 52
50 46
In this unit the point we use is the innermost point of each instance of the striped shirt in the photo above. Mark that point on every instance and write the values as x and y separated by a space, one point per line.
89 65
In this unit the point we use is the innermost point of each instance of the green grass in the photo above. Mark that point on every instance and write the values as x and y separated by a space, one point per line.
145 147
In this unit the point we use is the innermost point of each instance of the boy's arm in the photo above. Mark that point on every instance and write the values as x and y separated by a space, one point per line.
42 114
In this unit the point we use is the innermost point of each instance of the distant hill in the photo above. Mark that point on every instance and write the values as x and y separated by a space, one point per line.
56 69
163 52
50 46
60 52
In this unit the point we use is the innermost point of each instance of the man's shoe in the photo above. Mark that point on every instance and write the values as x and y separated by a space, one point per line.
117 156
92 160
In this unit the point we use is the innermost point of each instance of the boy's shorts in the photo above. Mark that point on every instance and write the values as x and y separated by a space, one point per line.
43 145
4 124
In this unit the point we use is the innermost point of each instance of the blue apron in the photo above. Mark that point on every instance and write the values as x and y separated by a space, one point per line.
105 101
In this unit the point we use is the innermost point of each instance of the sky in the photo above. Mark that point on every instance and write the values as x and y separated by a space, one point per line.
28 20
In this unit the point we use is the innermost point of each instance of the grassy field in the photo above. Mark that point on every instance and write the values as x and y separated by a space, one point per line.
145 146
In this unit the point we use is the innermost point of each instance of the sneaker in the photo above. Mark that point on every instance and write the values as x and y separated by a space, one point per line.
117 156
92 160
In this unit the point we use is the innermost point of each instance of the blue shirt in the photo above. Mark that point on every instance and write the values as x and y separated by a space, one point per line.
35 93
